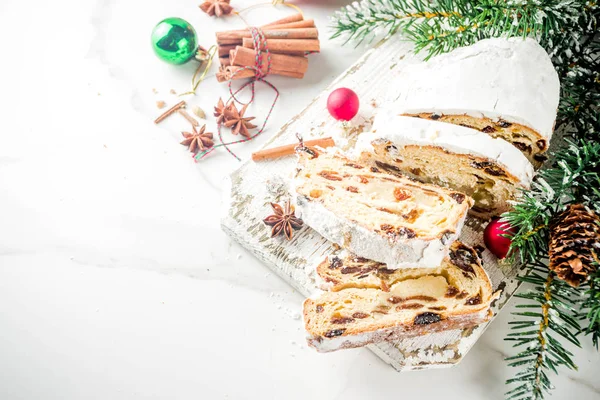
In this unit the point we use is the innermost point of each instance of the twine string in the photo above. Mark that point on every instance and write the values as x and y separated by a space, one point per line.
196 80
283 3
300 139
273 3
260 46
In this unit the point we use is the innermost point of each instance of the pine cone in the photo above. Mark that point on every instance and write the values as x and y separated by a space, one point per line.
574 244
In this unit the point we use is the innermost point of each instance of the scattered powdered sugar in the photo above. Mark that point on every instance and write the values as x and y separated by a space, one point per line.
340 136
277 186
291 312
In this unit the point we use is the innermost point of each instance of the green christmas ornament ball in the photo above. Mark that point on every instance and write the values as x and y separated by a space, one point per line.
174 40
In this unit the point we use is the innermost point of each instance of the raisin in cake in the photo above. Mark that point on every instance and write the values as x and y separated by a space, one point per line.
370 303
489 170
506 88
390 219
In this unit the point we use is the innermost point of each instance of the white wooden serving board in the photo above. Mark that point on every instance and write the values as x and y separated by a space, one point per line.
254 185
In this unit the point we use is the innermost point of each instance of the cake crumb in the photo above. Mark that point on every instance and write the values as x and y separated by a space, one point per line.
172 91
154 91
160 104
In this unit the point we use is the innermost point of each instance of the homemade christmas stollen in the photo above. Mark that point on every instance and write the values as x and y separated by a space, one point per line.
369 303
506 88
376 215
488 169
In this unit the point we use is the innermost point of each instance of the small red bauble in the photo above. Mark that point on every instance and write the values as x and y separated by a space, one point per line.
496 243
343 104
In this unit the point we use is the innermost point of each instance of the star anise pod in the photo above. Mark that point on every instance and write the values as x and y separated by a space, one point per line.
223 74
199 140
235 120
220 110
283 220
216 7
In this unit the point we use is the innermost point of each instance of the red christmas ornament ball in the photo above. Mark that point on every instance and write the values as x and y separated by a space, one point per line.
343 104
496 243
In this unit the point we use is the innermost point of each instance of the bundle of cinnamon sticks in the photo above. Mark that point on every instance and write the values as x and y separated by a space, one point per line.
288 40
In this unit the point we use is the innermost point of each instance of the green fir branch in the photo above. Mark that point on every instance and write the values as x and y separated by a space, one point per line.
574 178
591 307
537 332
580 83
443 25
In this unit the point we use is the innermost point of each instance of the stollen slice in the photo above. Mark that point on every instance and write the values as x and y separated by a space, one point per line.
370 303
490 170
505 87
376 215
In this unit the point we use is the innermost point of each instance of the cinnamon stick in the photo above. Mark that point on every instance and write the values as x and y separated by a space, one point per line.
224 49
245 57
289 149
289 74
231 72
170 111
230 42
285 45
286 20
288 53
307 23
225 61
303 33
188 117
236 72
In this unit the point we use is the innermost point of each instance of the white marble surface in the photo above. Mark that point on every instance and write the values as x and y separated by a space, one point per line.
116 281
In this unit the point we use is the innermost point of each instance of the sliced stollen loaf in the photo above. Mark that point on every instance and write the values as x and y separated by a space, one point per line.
488 169
390 219
505 87
370 303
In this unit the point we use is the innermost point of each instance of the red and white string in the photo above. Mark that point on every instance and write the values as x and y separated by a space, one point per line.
259 42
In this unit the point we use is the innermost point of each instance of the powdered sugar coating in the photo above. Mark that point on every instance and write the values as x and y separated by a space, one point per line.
410 253
508 78
403 131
